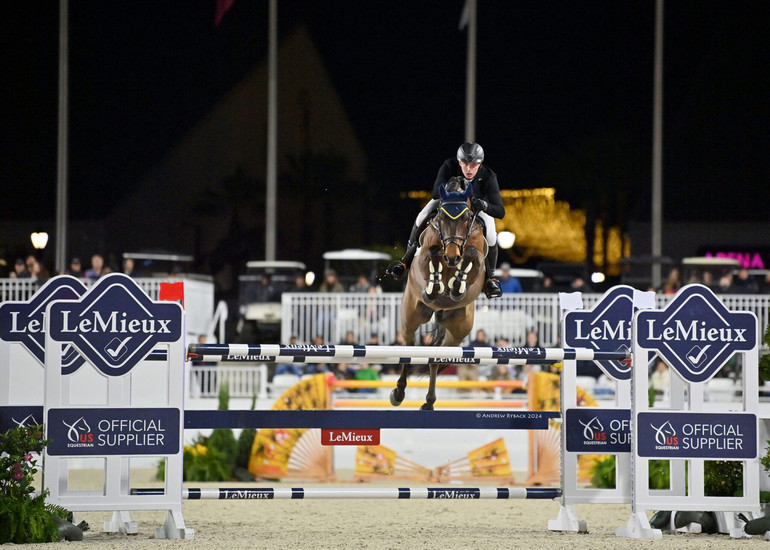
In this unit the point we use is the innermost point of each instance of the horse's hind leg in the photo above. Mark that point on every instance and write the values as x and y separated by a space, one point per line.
430 397
399 392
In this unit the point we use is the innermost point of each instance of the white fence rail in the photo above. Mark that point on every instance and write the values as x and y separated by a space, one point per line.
243 381
331 315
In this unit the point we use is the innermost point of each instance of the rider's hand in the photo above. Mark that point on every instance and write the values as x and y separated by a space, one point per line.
479 205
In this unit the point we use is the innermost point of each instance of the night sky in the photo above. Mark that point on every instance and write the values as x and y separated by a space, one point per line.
565 92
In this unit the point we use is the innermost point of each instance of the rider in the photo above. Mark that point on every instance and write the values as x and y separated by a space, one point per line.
486 201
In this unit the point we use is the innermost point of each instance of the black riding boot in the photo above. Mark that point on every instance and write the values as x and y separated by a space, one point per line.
398 269
492 286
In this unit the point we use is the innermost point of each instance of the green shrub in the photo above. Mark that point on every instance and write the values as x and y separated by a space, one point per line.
24 518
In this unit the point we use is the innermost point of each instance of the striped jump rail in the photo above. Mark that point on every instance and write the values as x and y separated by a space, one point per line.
394 493
463 384
448 354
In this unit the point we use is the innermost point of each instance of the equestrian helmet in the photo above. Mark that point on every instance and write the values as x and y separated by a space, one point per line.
470 152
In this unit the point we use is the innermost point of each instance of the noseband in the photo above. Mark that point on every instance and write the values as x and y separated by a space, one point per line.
459 240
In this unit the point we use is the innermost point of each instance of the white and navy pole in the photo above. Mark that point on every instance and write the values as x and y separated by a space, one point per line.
415 493
203 351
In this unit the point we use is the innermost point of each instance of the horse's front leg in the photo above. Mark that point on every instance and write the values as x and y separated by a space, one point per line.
434 285
430 397
458 284
399 392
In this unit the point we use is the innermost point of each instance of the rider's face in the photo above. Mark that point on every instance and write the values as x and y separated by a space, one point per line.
469 169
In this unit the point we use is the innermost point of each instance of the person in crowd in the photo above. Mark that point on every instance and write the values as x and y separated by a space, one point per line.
532 339
361 284
330 282
76 268
660 379
317 368
299 284
744 283
367 372
481 340
350 339
486 202
343 371
725 285
37 269
500 372
97 267
128 267
290 368
509 283
545 285
579 284
20 270
673 282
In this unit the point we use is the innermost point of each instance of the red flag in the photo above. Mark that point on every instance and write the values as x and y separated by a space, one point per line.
172 292
221 10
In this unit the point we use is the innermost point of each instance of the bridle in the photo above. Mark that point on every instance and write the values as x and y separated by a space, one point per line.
458 240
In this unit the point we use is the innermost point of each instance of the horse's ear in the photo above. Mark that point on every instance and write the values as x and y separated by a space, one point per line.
443 192
468 192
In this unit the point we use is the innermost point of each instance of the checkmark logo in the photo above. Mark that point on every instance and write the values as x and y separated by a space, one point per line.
696 354
116 347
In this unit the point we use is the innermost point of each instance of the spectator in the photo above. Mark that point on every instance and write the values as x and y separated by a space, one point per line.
342 371
532 339
20 270
509 283
331 283
546 285
128 267
361 284
725 284
367 372
97 267
37 270
481 340
660 379
350 338
501 372
299 284
673 282
578 284
744 283
317 368
76 269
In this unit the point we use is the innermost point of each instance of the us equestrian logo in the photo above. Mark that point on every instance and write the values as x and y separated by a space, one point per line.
607 326
24 322
696 334
115 325
595 430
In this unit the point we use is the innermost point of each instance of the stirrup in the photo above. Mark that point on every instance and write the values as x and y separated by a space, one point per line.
396 270
492 288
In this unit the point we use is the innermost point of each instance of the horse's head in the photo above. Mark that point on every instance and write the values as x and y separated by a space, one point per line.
454 220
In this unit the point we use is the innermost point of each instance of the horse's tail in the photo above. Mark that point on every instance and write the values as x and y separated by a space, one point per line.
438 339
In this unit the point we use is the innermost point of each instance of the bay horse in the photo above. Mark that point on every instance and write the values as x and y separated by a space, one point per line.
446 277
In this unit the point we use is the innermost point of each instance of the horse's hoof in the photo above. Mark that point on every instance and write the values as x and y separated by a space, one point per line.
427 407
427 298
394 399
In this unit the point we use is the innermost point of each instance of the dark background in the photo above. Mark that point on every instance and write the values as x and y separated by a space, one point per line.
565 93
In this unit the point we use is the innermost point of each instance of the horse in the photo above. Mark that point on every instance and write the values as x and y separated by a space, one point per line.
446 277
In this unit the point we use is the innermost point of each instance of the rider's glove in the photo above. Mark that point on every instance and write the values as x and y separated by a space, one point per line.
479 205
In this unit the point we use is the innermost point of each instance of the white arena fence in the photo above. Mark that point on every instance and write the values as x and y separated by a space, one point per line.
331 315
